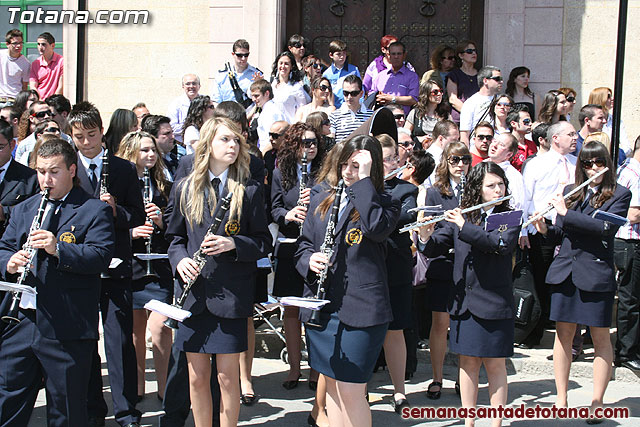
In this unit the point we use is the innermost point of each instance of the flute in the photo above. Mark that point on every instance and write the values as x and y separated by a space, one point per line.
439 218
397 171
434 208
569 194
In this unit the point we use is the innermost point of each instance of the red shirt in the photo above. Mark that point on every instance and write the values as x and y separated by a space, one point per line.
522 154
47 74
477 159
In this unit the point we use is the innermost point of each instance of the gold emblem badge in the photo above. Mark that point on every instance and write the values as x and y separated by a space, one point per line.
354 236
502 228
67 237
232 227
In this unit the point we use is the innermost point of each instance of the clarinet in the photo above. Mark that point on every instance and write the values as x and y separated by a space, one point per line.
327 248
304 179
463 182
199 257
240 96
147 199
12 315
104 175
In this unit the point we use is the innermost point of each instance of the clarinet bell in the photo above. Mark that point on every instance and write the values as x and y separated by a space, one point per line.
150 272
171 323
11 317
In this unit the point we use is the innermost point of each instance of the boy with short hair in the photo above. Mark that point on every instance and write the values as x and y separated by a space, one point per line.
339 69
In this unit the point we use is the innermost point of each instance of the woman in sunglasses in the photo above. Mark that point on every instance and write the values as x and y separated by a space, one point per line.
571 94
289 209
446 191
322 99
296 46
443 60
518 88
498 111
431 107
319 121
481 301
582 274
463 82
554 108
603 96
200 110
312 67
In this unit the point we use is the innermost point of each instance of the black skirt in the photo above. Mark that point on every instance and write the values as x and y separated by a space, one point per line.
471 336
208 333
342 352
400 298
573 305
438 294
287 282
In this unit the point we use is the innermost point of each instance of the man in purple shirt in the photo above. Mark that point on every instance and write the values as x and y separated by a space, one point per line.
397 84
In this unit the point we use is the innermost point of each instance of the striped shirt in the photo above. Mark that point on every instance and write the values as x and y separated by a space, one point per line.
629 176
344 121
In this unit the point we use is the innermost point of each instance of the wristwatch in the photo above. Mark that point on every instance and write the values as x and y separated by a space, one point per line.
393 100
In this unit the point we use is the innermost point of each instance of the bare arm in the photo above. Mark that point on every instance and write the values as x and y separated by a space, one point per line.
452 89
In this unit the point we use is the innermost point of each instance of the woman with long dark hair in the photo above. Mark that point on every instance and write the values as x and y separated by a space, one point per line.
430 108
462 82
481 303
583 273
498 111
518 88
288 89
322 99
122 122
442 61
354 324
200 110
288 209
446 191
554 107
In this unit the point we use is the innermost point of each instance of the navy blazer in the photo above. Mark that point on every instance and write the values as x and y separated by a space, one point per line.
482 268
130 211
226 284
159 243
441 267
19 183
69 287
357 280
586 250
399 256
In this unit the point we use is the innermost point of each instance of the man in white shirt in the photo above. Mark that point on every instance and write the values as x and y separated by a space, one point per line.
351 113
179 107
545 176
262 95
476 108
501 150
14 68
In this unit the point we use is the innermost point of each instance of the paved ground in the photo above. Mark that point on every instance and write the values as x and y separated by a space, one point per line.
530 383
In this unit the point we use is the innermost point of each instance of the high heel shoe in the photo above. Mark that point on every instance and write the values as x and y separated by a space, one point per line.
291 384
434 395
311 421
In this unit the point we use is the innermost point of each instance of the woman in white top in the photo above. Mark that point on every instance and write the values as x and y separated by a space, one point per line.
322 99
200 110
288 91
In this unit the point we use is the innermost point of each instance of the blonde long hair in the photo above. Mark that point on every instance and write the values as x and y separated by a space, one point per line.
197 184
129 149
599 96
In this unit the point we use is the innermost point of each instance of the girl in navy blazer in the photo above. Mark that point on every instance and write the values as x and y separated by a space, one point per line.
289 209
354 324
455 160
141 149
221 298
583 272
481 303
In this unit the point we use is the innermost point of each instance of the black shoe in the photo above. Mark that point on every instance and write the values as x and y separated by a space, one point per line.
632 364
313 385
248 399
311 421
291 384
399 404
434 395
95 422
457 388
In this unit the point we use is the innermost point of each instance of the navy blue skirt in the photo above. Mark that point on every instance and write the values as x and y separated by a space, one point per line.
287 281
342 352
400 299
438 294
471 336
152 290
573 305
208 333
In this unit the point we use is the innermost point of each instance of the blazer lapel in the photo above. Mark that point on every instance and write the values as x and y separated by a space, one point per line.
9 182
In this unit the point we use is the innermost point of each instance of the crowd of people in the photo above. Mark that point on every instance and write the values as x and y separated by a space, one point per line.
293 168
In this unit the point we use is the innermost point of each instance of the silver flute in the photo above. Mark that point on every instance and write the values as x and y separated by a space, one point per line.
397 171
549 208
439 218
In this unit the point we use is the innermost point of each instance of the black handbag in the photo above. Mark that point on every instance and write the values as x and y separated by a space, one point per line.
526 303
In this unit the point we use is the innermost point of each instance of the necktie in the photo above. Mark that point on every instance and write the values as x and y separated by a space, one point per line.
215 182
53 216
587 198
457 190
567 174
93 179
483 217
343 204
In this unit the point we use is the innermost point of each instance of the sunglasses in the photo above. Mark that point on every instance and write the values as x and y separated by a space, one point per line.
571 98
325 122
42 114
317 66
485 137
52 130
297 45
588 164
450 58
504 104
398 116
454 160
436 92
308 142
325 88
211 107
406 144
495 78
241 55
526 122
274 135
470 50
353 93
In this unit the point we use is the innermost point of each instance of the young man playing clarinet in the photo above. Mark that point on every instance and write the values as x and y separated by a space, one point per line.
58 328
112 184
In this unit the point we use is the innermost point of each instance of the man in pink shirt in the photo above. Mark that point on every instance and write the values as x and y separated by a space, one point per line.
46 71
